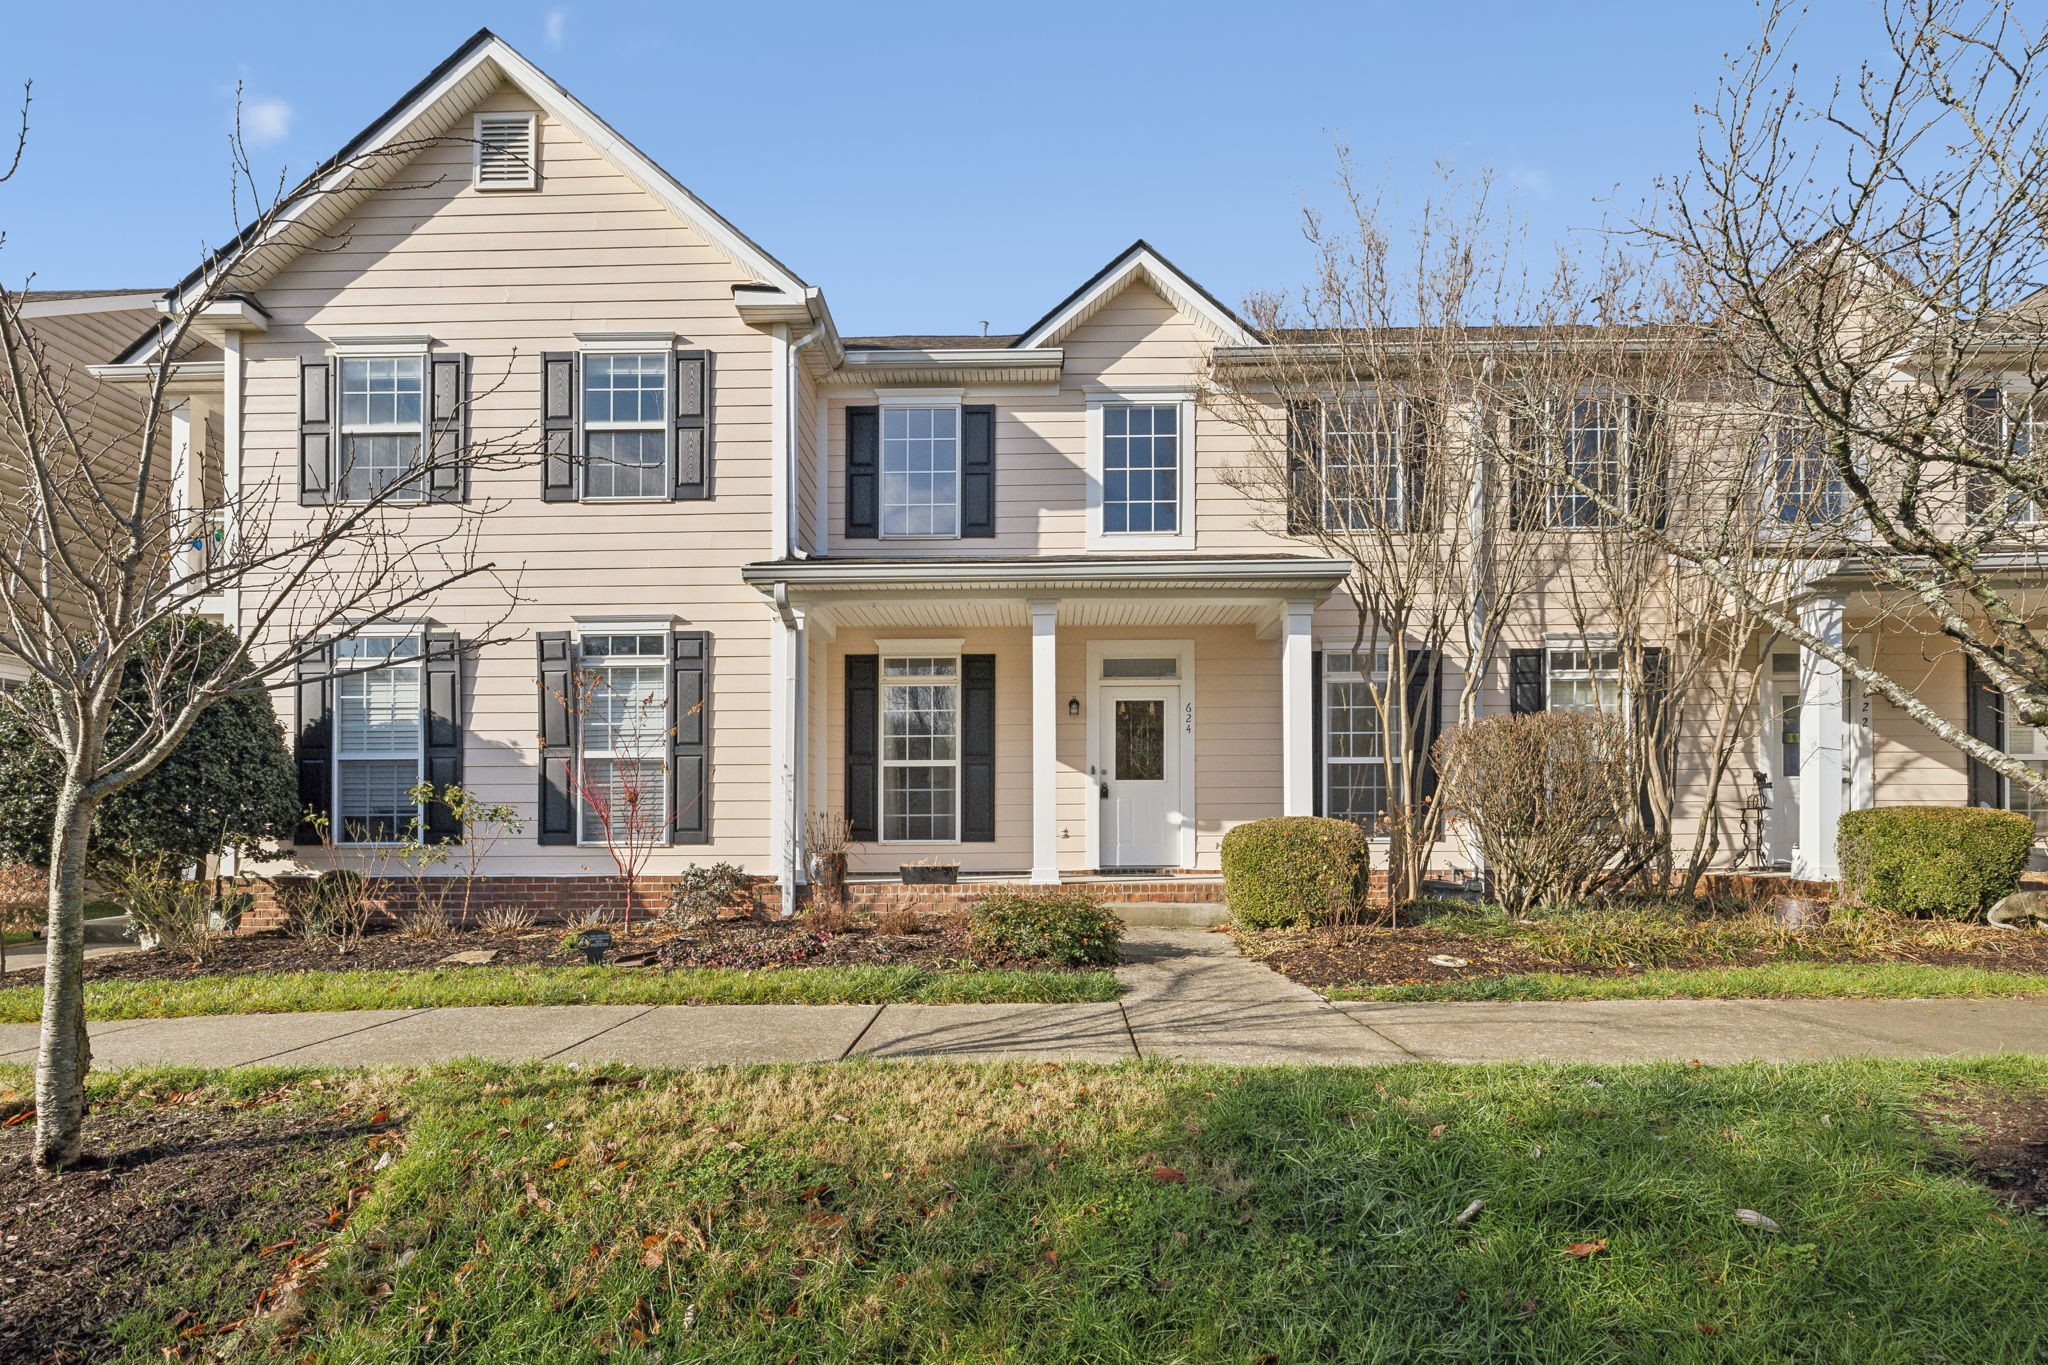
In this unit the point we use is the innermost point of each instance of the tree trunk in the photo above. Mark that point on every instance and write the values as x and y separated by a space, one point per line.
65 1054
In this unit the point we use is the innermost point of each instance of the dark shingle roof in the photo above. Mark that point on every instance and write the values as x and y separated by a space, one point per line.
929 342
52 295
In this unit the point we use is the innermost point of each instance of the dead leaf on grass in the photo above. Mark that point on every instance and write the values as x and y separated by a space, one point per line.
1585 1249
1169 1175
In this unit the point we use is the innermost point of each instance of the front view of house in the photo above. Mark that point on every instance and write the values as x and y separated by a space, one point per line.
998 601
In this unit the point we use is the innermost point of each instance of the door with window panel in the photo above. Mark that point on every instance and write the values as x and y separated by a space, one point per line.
623 762
379 738
1138 776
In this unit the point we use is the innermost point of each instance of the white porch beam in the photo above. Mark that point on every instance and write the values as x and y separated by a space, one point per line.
1045 711
1297 710
1820 744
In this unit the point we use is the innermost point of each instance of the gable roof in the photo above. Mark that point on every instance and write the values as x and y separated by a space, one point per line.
430 109
1138 262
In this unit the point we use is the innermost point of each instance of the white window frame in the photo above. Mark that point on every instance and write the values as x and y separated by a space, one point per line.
659 661
2018 402
1183 536
664 356
1776 524
338 677
1398 435
532 180
1561 492
1392 749
345 355
1586 672
943 651
936 400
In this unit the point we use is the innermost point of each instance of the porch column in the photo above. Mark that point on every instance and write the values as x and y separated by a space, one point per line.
785 747
1297 711
1045 720
1820 743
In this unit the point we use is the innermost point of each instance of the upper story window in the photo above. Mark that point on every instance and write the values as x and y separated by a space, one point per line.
623 739
1140 466
2006 427
921 471
625 425
1805 488
379 738
1365 465
1592 457
381 430
920 749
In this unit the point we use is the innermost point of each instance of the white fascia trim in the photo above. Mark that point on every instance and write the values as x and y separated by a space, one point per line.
1252 572
144 371
103 303
1178 290
1129 542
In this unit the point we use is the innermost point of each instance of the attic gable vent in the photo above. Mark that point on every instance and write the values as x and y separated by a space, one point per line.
507 152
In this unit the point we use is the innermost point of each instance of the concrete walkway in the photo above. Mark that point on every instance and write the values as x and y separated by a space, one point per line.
1187 995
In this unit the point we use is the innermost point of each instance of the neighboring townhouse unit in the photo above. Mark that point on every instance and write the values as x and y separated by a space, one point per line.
995 599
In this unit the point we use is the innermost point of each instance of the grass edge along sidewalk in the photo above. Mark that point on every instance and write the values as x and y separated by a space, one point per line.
305 992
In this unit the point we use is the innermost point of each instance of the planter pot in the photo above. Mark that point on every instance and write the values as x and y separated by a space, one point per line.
930 876
1799 912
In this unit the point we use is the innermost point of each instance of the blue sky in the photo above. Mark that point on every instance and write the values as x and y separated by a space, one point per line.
931 167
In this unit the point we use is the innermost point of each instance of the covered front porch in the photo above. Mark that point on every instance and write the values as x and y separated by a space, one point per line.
1042 719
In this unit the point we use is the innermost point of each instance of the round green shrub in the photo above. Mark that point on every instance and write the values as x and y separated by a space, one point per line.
1951 861
1069 926
1295 869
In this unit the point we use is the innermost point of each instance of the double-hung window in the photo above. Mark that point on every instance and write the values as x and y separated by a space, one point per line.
1806 490
1364 475
1359 757
2030 746
1595 435
920 468
622 759
1587 681
379 738
625 425
920 749
1141 468
2008 428
381 403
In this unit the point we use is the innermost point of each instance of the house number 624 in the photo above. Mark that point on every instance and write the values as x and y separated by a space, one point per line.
1191 717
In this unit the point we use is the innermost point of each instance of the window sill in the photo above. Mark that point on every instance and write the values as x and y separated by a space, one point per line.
1126 541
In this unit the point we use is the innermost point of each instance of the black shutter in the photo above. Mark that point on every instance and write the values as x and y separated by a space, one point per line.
1525 681
689 713
447 437
977 748
1315 730
1653 710
316 432
1525 483
692 426
863 473
1304 464
1984 709
1421 421
1983 431
863 746
978 474
442 720
1649 461
1424 686
557 737
559 455
315 749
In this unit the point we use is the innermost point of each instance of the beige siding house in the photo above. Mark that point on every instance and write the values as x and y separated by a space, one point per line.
994 599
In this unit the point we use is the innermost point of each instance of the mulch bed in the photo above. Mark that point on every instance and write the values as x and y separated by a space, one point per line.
2003 1141
735 942
1401 957
80 1249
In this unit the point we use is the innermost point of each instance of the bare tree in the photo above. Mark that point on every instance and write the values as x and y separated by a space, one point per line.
1373 440
94 555
1872 248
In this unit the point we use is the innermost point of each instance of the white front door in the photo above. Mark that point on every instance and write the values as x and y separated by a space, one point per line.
1137 776
1782 738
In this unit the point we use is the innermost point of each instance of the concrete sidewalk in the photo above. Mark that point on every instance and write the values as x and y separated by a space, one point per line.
1187 995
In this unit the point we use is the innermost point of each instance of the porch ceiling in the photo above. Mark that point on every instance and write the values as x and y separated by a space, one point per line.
1091 591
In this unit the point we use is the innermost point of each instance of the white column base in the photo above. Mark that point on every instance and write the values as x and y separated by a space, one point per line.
1820 745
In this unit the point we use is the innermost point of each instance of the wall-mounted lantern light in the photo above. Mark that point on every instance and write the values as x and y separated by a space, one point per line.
1073 706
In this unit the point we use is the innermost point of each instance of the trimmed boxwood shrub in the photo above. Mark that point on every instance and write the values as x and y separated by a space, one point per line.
1073 927
1953 861
1294 869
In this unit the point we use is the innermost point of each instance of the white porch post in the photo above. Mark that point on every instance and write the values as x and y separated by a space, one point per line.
1297 711
1045 713
785 707
1820 743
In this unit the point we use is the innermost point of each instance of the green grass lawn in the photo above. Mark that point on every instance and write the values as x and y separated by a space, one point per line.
1150 1212
1781 980
299 992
